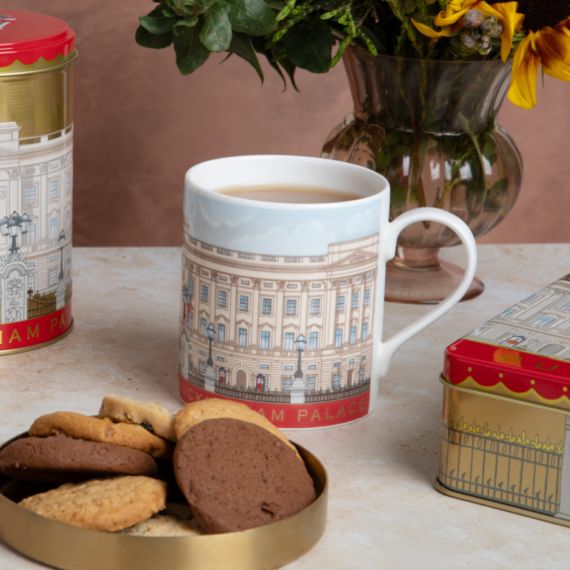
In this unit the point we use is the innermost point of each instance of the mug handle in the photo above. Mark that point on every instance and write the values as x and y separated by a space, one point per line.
389 239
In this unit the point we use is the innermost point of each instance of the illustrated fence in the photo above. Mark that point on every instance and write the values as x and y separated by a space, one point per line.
502 471
284 397
40 304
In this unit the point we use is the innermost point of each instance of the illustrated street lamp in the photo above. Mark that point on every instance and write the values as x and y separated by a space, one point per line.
298 387
211 332
300 344
209 376
12 226
61 242
186 294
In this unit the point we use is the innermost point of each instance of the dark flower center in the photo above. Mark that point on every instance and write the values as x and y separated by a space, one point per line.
542 13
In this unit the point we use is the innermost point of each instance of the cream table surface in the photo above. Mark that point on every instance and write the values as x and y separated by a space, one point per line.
383 509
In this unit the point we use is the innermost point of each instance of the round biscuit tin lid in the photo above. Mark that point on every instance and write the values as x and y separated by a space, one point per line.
26 37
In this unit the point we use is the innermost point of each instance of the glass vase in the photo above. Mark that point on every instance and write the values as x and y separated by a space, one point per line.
429 126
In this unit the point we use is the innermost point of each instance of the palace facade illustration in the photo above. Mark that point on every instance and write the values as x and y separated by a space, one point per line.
539 324
290 329
36 180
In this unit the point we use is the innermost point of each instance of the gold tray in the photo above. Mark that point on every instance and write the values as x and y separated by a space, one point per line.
64 546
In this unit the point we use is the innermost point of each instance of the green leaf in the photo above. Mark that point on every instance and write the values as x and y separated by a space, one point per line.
216 34
310 47
188 22
157 25
156 41
253 17
203 5
290 71
190 53
241 45
181 7
156 22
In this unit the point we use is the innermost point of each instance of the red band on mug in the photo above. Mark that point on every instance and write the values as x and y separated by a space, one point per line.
24 334
291 416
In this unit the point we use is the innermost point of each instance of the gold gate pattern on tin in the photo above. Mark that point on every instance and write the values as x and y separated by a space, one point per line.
503 471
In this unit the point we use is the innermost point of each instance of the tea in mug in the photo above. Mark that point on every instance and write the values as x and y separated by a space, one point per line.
289 194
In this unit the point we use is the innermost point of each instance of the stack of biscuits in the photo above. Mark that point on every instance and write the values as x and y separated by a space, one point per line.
215 467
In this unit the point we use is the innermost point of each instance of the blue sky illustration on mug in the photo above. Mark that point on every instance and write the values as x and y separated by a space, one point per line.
266 229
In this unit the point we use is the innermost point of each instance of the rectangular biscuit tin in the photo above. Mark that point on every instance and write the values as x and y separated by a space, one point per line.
505 433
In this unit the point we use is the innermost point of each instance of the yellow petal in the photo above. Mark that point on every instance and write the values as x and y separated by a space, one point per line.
451 17
553 48
522 91
427 31
507 15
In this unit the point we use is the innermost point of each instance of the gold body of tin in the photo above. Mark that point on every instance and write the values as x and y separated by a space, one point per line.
505 453
38 97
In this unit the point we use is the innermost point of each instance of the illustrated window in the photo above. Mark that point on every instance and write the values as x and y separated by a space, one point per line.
314 340
315 306
288 341
266 306
336 381
204 293
355 300
265 337
353 334
244 303
338 338
291 307
242 337
222 298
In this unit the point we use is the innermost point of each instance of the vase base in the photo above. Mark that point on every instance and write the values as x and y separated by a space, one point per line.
426 285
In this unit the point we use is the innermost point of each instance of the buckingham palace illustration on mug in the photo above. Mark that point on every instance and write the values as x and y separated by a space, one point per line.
279 329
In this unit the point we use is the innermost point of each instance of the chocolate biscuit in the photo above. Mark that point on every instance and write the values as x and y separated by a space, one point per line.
60 458
99 429
236 475
214 408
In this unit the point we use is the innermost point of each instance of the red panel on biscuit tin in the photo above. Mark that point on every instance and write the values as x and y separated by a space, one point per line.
523 351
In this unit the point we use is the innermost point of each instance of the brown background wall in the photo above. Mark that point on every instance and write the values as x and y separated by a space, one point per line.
140 125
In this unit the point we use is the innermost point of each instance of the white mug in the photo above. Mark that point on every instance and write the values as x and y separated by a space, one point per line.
282 304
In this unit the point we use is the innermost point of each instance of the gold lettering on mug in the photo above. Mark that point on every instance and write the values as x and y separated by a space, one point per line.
277 415
33 332
15 337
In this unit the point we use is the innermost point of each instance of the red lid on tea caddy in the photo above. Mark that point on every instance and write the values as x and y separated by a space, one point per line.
27 36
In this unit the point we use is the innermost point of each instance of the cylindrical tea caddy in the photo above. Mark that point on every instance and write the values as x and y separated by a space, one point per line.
36 179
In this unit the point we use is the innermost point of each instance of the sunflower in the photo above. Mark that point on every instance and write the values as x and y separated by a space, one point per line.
453 19
547 44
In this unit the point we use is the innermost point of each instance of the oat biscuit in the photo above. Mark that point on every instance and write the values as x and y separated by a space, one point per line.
99 429
151 416
106 504
213 408
59 458
236 475
163 525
